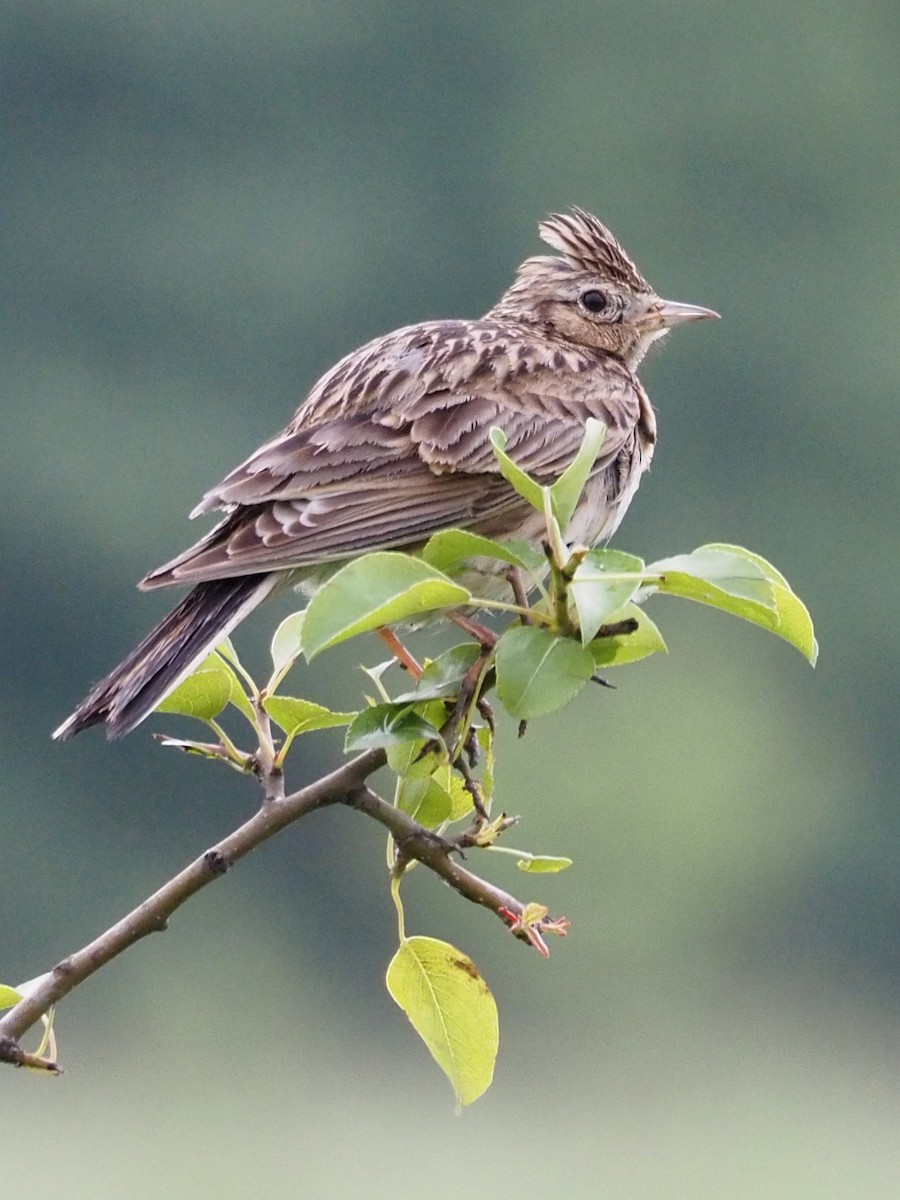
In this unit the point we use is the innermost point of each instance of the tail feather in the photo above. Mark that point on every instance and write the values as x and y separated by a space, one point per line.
167 655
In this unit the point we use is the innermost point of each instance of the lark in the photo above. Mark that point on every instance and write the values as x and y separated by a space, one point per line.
392 444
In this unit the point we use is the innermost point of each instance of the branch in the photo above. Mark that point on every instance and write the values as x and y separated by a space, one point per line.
434 852
346 785
152 915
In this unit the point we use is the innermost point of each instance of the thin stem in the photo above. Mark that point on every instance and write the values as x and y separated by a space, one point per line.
495 849
432 851
400 652
514 579
554 534
619 577
226 741
398 904
535 614
235 662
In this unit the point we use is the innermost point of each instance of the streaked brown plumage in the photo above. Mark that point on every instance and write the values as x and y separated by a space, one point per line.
392 445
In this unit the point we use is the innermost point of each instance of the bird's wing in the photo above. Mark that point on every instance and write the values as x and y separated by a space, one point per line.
393 445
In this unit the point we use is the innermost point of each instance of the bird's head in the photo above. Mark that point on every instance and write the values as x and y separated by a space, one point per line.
593 295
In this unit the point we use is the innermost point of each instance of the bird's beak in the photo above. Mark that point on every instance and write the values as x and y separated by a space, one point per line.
670 312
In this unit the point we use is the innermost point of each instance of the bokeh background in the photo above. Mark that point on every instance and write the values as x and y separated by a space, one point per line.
206 203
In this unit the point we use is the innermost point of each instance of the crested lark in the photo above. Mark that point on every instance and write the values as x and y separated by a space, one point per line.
392 445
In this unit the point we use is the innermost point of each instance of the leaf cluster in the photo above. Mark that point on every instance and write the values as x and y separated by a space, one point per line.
572 611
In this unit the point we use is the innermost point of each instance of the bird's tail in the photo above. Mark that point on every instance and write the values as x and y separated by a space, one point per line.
167 655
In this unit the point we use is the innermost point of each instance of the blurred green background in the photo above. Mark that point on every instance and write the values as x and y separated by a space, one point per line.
204 205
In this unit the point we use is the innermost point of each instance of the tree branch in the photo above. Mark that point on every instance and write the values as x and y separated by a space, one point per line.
152 915
346 785
414 841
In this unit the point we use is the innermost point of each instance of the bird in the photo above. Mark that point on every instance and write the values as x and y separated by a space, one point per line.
392 445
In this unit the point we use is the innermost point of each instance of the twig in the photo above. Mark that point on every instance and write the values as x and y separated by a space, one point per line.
419 843
11 1052
152 915
514 579
347 785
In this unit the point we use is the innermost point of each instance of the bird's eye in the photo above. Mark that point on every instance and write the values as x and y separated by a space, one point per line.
593 301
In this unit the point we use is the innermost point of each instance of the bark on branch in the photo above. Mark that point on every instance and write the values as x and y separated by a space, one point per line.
346 785
153 914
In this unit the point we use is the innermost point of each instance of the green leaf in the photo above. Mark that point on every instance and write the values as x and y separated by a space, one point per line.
428 788
443 675
485 740
792 620
771 573
384 725
438 796
461 803
597 589
411 758
204 693
238 698
745 585
296 716
566 491
538 672
8 996
377 589
446 550
286 642
527 488
715 577
533 559
425 800
628 647
543 864
451 1008
226 649
419 758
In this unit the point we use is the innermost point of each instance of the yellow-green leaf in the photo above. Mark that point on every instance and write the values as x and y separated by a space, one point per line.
792 622
566 491
286 642
424 799
8 996
529 489
791 618
204 693
302 716
744 584
486 743
433 798
387 725
538 672
543 864
722 578
461 803
628 647
450 547
451 1008
377 589
232 665
603 581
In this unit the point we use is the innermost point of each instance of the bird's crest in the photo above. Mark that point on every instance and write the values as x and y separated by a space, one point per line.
588 245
